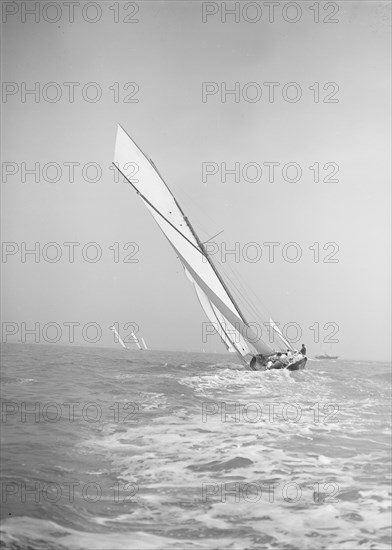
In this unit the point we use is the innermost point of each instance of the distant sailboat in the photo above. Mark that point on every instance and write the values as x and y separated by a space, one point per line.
326 356
144 343
120 340
134 340
218 303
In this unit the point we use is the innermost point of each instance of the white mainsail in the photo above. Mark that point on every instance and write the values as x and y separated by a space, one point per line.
214 296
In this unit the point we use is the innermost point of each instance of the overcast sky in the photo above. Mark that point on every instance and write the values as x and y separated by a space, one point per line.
169 52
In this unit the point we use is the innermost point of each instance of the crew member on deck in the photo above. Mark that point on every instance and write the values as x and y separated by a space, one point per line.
303 350
280 362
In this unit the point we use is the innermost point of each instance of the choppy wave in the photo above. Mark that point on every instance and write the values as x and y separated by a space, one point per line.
191 451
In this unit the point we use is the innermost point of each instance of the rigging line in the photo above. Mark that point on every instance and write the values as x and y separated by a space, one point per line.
167 187
240 280
208 218
210 239
200 213
246 299
231 297
249 306
200 248
236 275
247 287
241 287
181 191
242 292
227 336
258 316
157 211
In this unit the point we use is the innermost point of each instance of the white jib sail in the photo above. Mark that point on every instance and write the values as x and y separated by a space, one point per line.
213 294
280 336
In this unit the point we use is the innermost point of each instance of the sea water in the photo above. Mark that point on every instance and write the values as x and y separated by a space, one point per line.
111 449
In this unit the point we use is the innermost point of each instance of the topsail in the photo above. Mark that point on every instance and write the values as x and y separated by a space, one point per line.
212 292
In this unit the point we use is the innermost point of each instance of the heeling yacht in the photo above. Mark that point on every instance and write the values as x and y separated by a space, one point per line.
215 297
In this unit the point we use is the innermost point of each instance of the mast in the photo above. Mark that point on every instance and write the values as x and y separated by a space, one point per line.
202 248
204 252
209 260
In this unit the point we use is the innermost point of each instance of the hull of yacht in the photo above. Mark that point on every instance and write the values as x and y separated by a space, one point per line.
257 364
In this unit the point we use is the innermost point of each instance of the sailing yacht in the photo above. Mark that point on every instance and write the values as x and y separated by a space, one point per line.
119 339
134 340
216 299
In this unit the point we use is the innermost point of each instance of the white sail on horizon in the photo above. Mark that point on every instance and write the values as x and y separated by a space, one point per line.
144 343
134 340
121 341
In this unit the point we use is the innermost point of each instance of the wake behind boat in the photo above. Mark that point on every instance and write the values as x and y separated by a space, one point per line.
216 299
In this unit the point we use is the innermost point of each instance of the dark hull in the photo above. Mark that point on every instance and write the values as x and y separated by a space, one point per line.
257 365
299 365
326 356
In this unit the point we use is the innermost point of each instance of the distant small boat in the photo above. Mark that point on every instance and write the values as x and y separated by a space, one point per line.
326 356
